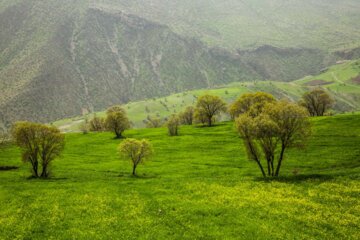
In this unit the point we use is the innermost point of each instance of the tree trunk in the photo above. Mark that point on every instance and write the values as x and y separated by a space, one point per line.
268 165
272 166
210 121
134 170
261 168
35 170
280 160
118 135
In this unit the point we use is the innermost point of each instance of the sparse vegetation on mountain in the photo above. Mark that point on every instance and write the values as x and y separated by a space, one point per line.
136 150
117 120
317 102
208 106
40 145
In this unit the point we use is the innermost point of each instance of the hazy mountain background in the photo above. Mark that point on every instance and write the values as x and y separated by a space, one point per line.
64 58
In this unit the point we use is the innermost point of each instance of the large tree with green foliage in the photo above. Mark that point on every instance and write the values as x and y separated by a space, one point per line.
317 102
279 126
40 145
209 106
117 120
136 150
251 103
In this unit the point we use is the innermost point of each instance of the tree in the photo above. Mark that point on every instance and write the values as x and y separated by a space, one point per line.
317 102
40 145
136 150
153 122
97 124
187 116
173 125
251 103
117 121
200 116
84 126
279 126
51 144
209 106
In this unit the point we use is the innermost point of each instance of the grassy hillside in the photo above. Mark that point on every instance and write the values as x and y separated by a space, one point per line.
198 185
339 80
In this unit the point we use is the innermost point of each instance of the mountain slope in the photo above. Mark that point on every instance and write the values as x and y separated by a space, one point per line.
321 24
65 58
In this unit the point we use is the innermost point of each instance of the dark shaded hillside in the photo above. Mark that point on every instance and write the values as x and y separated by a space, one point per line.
61 59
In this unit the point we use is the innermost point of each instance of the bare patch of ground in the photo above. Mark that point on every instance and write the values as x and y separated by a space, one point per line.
317 83
356 80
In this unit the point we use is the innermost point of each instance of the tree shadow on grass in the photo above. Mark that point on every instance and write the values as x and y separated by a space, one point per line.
137 176
298 178
49 179
8 168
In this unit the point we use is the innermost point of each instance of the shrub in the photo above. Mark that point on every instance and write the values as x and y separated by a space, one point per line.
97 124
187 116
173 125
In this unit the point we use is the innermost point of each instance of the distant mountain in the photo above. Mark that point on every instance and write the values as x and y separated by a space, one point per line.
64 58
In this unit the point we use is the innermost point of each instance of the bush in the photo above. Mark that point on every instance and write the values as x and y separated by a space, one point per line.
97 124
187 116
173 125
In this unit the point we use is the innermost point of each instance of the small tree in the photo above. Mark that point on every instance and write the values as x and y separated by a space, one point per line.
173 125
97 124
251 103
317 102
136 150
210 106
40 145
187 116
153 122
279 126
84 126
200 117
117 121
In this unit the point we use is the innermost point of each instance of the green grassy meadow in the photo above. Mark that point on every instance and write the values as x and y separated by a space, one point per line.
198 185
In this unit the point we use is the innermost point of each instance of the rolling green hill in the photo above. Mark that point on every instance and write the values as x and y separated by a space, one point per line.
199 185
63 58
341 80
